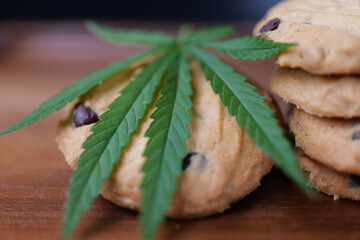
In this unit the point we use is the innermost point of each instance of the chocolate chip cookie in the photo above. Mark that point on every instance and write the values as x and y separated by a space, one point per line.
321 95
328 180
327 32
331 141
222 164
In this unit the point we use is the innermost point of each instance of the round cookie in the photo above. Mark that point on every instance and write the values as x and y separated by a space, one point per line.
327 32
222 165
333 142
328 180
324 96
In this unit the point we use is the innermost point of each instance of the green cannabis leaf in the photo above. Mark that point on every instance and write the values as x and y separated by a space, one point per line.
80 87
129 36
249 47
166 145
185 30
209 34
250 112
167 132
110 134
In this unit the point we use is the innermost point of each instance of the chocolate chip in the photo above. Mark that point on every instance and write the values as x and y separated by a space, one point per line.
197 161
83 115
356 131
187 160
356 136
270 25
354 181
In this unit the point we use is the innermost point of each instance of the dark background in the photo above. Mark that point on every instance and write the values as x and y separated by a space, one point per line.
136 9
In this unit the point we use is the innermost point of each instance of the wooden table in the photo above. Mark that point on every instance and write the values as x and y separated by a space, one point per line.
37 59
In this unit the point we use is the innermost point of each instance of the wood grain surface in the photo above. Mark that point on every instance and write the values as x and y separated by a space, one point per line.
37 59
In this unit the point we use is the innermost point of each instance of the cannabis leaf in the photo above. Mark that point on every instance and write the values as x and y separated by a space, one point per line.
103 147
249 47
80 87
166 145
129 36
184 31
209 34
250 112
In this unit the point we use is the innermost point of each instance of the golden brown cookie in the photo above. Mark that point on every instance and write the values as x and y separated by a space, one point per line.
324 96
222 165
328 180
327 32
333 142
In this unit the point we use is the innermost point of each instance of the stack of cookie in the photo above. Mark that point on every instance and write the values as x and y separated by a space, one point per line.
321 78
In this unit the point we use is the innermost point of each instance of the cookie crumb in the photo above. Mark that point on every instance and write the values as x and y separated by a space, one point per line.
177 226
